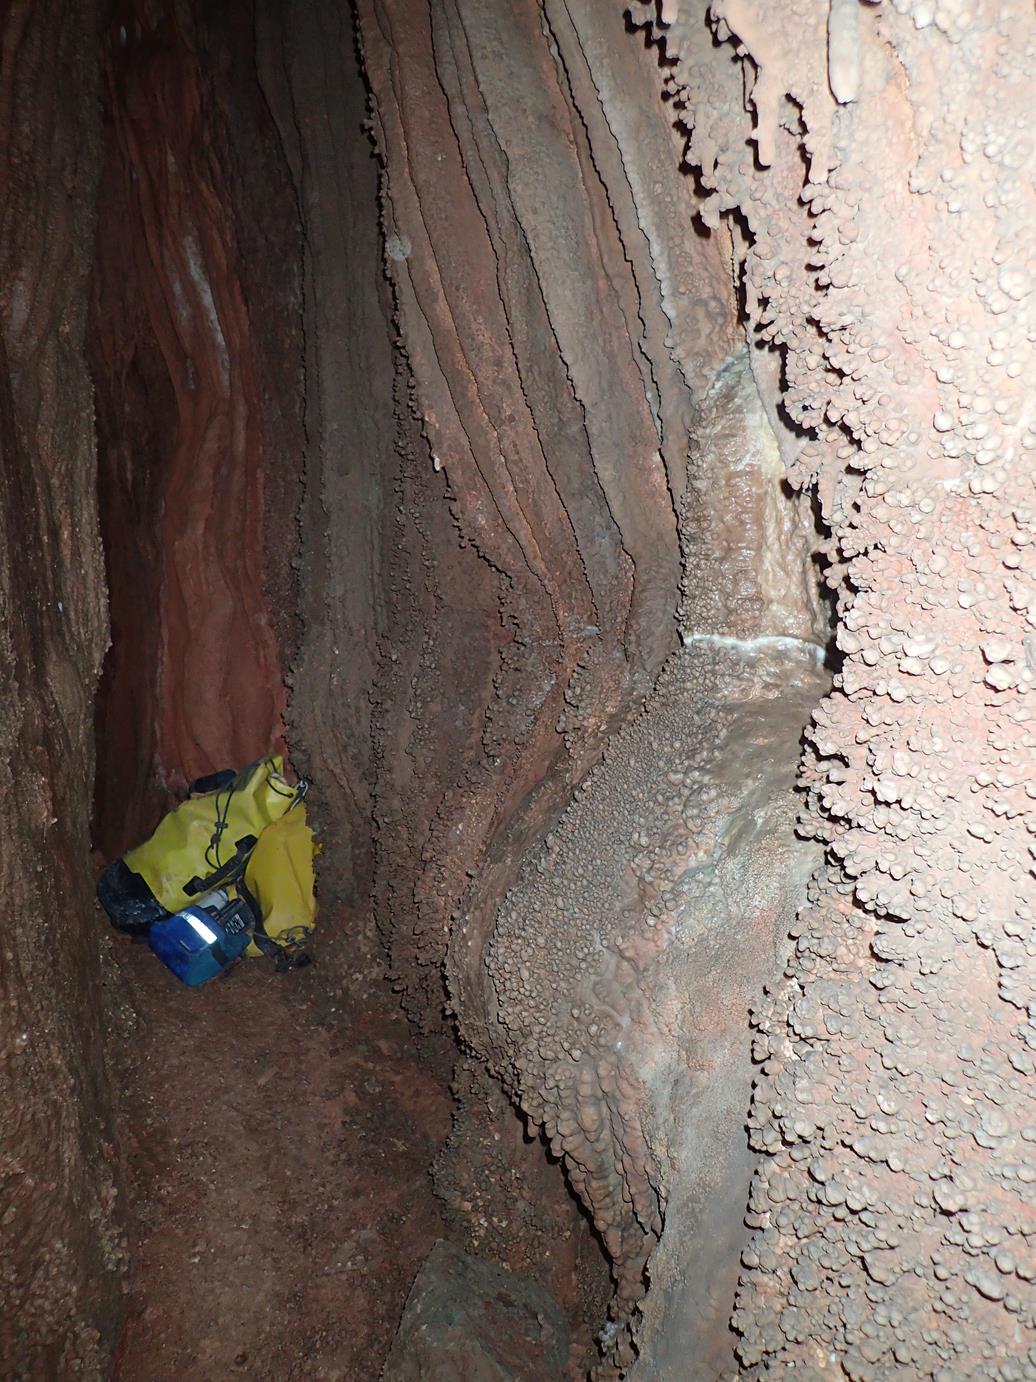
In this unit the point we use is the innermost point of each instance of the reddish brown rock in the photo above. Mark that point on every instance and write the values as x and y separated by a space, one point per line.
198 474
539 393
501 527
624 963
891 372
343 376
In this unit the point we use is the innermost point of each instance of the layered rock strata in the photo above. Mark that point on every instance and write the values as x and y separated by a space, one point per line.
195 348
352 531
563 335
503 561
536 297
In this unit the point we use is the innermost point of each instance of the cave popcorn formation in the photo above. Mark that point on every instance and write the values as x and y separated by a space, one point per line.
893 1209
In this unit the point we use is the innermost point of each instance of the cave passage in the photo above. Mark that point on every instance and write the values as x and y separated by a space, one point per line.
592 442
277 1132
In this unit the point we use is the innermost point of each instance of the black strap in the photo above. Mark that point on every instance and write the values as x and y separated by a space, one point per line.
285 956
224 795
230 872
259 936
214 782
233 871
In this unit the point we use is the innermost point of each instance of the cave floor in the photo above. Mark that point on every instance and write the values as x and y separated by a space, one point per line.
277 1131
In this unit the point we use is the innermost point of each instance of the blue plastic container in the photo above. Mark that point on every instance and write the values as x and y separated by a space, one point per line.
204 939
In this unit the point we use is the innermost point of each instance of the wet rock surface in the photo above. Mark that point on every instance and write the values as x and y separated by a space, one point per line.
466 1321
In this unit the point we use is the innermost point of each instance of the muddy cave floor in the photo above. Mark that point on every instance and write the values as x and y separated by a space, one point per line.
277 1132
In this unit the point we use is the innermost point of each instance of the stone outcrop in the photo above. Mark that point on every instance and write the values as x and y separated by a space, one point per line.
879 253
622 967
485 277
552 396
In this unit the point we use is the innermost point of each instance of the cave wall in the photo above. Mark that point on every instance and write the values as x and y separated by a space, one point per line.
621 968
309 73
572 215
864 170
196 352
895 1103
552 391
241 340
61 1251
533 196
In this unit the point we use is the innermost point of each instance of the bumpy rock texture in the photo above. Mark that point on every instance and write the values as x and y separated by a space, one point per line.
566 341
895 1209
60 1246
869 166
565 338
621 969
554 395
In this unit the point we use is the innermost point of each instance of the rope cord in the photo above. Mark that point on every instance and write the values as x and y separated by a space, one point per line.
222 815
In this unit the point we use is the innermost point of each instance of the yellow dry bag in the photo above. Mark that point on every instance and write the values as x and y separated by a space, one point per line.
278 879
228 872
204 842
